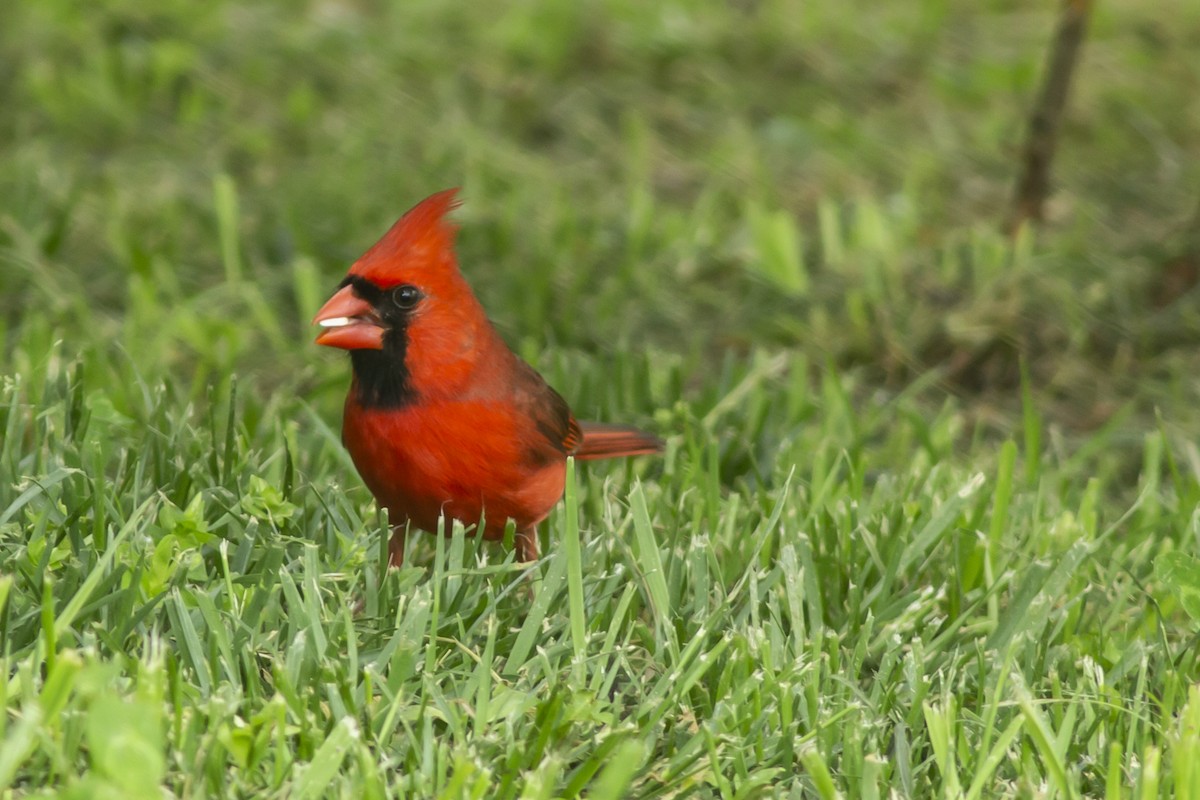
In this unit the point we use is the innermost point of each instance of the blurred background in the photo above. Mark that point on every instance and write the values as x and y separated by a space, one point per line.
694 183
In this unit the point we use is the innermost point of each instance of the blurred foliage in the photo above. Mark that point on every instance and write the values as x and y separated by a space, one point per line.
693 177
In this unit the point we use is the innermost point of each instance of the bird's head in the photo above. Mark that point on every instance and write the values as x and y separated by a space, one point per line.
404 309
407 274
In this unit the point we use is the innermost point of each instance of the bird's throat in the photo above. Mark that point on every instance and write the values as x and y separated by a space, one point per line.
381 378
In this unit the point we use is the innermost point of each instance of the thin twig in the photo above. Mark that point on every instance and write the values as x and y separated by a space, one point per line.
1046 118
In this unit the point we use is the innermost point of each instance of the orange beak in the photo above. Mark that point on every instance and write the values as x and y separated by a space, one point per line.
349 322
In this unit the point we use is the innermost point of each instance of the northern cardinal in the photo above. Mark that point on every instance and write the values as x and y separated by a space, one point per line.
442 417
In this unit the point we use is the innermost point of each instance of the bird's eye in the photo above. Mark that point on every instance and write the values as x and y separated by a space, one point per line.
406 297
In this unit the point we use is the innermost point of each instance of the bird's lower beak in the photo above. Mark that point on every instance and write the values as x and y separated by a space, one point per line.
349 322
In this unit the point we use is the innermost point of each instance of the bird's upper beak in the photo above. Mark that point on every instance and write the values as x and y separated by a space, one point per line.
349 322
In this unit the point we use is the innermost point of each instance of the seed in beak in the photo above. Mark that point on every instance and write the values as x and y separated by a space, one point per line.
335 322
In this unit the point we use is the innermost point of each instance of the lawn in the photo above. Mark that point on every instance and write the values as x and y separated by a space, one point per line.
926 525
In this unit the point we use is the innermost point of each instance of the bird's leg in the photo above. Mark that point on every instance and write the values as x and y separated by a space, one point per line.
396 546
527 543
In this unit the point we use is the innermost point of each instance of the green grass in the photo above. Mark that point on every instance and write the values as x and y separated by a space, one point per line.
926 525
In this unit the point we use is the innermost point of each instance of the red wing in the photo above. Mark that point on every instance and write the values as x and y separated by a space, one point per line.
561 435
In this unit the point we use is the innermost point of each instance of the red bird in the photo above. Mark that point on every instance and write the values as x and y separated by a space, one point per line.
442 417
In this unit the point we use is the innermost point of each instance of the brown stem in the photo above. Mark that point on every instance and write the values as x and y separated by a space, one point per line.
1045 120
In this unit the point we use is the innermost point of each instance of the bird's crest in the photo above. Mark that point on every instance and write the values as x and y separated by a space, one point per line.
420 244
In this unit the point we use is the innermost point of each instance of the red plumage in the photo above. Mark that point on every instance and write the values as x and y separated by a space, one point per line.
442 417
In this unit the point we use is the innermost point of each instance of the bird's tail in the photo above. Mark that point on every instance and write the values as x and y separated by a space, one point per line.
615 441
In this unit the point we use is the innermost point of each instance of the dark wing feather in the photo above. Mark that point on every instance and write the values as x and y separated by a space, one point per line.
562 436
560 433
